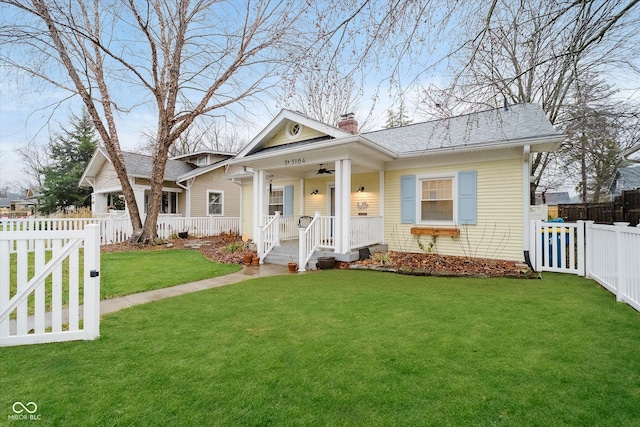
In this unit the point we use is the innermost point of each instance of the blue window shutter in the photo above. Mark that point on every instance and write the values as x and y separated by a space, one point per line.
288 200
467 197
408 199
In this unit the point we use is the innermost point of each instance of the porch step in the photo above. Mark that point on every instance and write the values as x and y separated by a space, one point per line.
287 251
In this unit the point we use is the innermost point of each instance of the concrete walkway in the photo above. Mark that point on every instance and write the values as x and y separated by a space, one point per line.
115 304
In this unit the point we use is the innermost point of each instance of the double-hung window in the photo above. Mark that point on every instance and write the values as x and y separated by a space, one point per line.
276 201
446 199
214 203
436 199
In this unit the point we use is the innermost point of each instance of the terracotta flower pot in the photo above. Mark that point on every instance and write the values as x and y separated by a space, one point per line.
247 259
293 267
255 260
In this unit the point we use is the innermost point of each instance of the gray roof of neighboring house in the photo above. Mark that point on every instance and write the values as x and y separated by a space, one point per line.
561 197
629 177
517 122
5 202
141 165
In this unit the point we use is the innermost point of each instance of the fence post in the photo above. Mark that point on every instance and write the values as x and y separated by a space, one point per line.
581 248
622 289
532 244
588 241
92 281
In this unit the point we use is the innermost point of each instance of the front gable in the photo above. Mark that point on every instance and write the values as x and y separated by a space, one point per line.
290 127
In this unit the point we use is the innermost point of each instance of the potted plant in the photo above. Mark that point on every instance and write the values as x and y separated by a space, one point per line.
247 258
255 260
293 266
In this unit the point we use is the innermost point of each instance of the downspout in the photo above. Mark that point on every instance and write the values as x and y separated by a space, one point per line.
526 189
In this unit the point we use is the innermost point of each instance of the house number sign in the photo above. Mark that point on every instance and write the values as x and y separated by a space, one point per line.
292 162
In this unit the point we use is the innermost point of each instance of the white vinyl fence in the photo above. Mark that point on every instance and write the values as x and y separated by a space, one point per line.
609 254
613 260
118 230
55 273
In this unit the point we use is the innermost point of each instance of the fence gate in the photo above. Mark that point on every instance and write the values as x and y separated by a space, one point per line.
46 293
558 246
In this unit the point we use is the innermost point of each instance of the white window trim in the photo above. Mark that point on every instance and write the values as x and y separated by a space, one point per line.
207 202
278 188
204 159
289 130
164 190
454 192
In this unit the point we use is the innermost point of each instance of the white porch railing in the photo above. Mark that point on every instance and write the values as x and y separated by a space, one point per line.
270 236
366 230
309 241
118 230
29 291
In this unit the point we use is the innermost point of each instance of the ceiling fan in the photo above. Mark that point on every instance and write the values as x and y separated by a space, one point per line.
324 170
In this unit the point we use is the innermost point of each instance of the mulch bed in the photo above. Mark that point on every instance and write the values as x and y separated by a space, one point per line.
216 248
423 264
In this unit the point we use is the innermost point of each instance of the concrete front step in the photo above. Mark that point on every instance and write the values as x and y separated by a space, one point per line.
288 252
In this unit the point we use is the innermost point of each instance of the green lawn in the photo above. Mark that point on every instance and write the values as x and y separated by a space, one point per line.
346 348
124 273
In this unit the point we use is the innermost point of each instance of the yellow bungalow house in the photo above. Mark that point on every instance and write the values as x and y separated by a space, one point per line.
459 185
302 189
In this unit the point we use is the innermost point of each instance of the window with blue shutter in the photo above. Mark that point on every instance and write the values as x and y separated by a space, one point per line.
467 203
288 200
408 199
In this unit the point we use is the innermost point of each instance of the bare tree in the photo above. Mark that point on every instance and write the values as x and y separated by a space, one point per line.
536 52
325 95
34 159
208 134
183 58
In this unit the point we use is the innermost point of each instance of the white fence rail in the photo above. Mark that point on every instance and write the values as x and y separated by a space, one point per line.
609 254
118 230
613 260
58 276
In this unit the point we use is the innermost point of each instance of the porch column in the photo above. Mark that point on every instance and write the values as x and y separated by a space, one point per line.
258 207
346 206
343 206
337 232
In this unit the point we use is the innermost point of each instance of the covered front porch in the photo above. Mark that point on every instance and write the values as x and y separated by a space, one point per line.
303 238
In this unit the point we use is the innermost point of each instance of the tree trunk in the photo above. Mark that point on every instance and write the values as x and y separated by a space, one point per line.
149 230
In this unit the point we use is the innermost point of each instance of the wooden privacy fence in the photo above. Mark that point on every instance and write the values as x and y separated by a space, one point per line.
118 230
609 254
36 284
624 208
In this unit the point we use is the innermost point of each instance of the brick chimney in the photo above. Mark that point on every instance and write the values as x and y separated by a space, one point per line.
348 123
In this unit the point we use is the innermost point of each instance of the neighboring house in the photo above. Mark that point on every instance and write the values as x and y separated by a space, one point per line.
455 186
461 183
194 184
16 205
552 200
625 179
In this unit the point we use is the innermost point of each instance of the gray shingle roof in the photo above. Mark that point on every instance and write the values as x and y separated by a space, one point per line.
5 202
629 178
141 165
518 122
